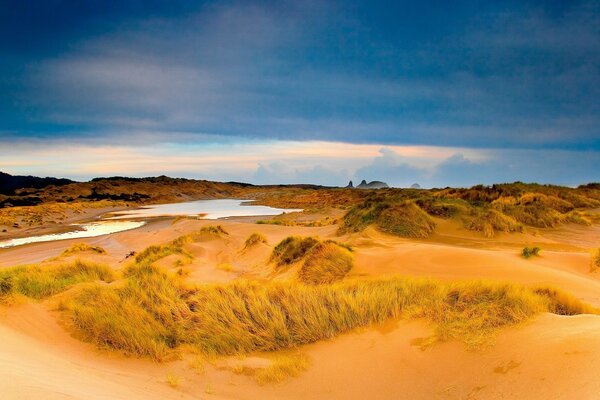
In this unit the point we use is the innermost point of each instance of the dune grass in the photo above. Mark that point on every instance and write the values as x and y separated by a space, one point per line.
155 252
401 218
254 239
154 312
292 249
173 380
81 248
326 262
282 367
39 282
529 252
490 221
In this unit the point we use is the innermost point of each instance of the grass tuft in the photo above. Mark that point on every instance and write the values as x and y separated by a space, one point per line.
255 239
173 380
529 252
327 262
81 248
282 367
292 249
39 282
400 218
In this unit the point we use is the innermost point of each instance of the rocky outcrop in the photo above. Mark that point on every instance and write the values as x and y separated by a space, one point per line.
350 185
372 185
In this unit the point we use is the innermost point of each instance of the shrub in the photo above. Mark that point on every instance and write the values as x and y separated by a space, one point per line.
292 249
528 252
326 262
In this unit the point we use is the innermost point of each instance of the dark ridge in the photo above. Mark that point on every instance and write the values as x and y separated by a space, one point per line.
10 183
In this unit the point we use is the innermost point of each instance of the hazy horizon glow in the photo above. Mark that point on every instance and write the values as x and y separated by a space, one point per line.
313 92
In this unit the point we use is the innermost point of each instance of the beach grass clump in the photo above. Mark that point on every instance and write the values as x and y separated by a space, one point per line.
82 248
401 218
292 249
154 313
282 367
254 239
577 217
529 252
491 221
156 252
39 282
326 262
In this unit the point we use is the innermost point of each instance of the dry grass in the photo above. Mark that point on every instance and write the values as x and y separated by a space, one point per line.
292 249
400 218
491 221
254 239
173 380
82 248
50 212
326 262
155 252
282 367
39 282
155 313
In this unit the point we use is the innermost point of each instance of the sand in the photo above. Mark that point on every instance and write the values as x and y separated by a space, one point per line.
550 357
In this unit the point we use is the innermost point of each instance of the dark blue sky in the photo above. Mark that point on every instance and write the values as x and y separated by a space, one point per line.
497 78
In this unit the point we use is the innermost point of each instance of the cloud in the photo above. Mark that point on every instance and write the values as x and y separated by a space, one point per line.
492 77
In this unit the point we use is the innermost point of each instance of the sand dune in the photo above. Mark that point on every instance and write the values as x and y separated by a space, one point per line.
551 357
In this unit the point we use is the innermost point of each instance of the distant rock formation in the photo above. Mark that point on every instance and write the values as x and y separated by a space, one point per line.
372 185
350 185
415 186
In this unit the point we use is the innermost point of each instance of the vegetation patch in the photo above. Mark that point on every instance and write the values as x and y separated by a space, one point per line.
254 239
326 262
39 282
282 367
155 252
490 221
154 313
81 248
292 249
529 252
403 218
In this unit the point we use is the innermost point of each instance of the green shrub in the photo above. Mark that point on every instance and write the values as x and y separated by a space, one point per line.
528 252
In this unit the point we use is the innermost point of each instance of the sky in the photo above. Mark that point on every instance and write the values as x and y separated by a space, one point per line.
434 92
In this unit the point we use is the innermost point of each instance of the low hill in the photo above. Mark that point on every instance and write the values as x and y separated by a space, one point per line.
10 183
